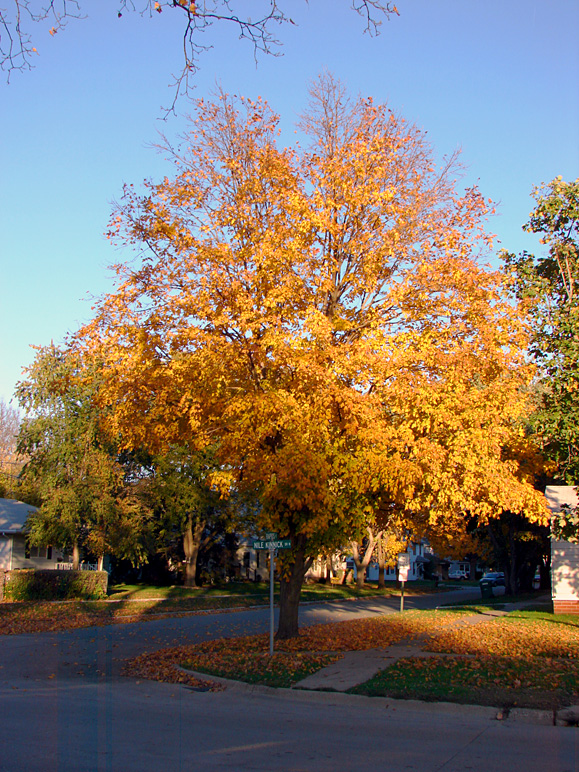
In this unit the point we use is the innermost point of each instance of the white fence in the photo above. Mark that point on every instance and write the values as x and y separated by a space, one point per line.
82 566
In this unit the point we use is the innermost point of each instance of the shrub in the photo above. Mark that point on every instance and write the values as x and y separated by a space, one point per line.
51 584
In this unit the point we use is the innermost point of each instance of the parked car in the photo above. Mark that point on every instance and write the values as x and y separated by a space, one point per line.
457 573
494 579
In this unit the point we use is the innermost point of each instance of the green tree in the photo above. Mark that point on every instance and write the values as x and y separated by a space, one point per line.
518 548
87 498
187 505
548 288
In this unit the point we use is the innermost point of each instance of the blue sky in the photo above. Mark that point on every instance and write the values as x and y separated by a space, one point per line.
497 79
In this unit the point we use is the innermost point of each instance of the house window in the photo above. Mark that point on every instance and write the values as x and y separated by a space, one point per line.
246 557
49 553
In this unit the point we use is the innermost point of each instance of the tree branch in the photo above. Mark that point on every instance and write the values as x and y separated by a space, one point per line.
17 48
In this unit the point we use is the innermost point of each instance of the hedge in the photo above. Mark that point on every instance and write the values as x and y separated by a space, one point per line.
52 584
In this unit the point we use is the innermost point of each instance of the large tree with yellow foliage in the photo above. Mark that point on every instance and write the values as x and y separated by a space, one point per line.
319 313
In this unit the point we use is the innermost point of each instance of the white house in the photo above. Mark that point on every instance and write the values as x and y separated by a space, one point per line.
564 555
419 552
13 550
252 564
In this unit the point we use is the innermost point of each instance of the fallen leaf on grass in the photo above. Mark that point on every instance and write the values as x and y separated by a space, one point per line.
511 637
163 666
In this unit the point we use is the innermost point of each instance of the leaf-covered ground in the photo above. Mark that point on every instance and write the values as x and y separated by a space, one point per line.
519 634
47 616
523 659
158 666
247 658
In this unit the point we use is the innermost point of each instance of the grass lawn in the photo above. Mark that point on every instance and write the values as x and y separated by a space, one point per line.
260 591
541 602
504 682
524 659
137 603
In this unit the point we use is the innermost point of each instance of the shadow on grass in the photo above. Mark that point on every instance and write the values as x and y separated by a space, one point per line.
490 680
538 613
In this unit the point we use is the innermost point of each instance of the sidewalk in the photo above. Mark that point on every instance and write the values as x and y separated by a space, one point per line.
357 667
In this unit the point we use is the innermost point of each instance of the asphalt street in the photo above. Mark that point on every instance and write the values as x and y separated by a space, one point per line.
64 706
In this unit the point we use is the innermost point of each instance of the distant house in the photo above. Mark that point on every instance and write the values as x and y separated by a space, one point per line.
419 552
251 564
564 555
14 552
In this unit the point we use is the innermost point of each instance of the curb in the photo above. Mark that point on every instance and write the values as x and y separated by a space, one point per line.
515 715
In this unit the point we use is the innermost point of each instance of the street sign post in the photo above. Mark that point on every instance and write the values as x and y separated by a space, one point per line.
272 543
403 568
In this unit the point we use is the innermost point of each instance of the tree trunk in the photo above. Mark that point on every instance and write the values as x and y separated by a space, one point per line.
512 584
100 562
326 570
505 550
381 564
362 562
473 563
191 543
75 556
290 589
329 570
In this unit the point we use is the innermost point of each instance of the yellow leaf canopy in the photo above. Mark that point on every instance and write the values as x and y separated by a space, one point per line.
320 312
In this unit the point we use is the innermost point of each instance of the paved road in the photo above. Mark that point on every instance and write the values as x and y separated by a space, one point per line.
63 706
95 651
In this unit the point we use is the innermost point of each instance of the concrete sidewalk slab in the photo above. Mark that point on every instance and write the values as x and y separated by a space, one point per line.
353 668
356 667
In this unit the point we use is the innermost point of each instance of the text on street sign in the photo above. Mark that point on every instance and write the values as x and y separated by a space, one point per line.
279 544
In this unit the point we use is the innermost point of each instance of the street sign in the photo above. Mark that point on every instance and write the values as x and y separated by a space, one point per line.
278 544
271 542
403 574
404 560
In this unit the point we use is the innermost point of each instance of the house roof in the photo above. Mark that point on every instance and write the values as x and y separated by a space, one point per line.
13 515
558 495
